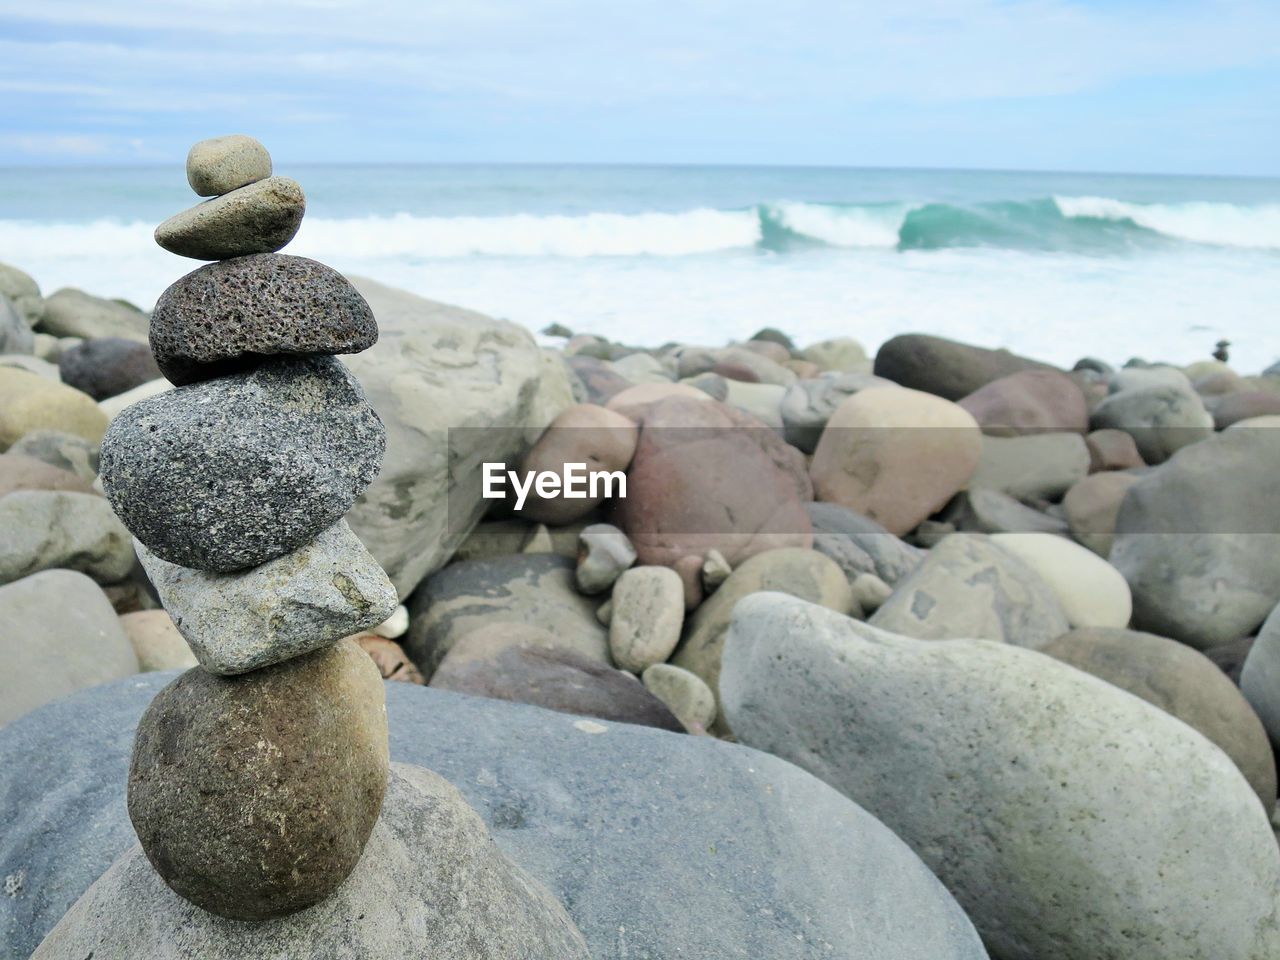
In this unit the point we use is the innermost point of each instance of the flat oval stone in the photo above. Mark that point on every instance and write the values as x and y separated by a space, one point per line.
259 218
231 473
228 315
222 164
253 796
311 597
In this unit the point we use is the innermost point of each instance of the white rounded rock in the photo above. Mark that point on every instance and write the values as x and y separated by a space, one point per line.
1091 591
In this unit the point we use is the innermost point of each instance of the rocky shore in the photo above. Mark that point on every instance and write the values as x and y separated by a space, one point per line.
938 653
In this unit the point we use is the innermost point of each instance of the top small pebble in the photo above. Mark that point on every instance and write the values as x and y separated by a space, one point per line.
222 164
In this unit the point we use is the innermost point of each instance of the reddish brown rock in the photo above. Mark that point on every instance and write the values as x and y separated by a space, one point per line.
1031 401
895 455
389 657
513 661
1112 450
599 380
586 434
706 476
20 472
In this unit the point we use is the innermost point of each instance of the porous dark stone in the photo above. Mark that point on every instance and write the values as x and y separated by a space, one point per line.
230 473
228 315
253 796
107 367
944 367
756 858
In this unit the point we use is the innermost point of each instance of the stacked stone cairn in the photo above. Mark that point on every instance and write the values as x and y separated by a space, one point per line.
257 778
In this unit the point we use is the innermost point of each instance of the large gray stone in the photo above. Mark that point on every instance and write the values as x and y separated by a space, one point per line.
15 332
1073 820
44 529
1180 682
969 587
73 313
1161 416
260 217
58 634
455 389
233 472
983 510
311 597
533 589
1260 676
860 545
755 857
227 316
20 288
431 878
1198 539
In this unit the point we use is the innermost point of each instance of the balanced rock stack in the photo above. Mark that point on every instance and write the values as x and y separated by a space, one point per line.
256 780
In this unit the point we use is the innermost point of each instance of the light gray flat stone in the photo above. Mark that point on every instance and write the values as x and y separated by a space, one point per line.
325 590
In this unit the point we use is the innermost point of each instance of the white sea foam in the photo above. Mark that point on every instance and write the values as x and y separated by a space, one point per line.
527 235
1222 224
844 226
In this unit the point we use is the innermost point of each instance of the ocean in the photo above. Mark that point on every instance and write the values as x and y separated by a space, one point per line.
1054 265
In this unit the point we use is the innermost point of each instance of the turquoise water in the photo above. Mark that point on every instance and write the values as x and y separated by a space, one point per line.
1053 264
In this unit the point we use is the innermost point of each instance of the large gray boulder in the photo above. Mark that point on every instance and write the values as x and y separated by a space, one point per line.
455 389
15 334
1071 819
48 529
73 313
430 875
23 291
58 634
659 845
1179 681
1260 676
968 586
1198 539
1160 410
536 590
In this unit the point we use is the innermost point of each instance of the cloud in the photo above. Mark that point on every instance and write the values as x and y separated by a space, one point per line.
493 66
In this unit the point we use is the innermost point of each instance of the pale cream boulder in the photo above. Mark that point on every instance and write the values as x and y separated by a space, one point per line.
1091 591
895 455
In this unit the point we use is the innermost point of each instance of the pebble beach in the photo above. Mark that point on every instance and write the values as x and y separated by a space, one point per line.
320 640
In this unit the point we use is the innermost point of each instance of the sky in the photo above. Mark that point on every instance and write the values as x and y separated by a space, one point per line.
1176 86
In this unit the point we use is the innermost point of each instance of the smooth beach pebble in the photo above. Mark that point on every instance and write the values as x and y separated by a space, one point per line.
253 796
222 164
684 692
228 315
309 598
230 473
648 612
259 218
